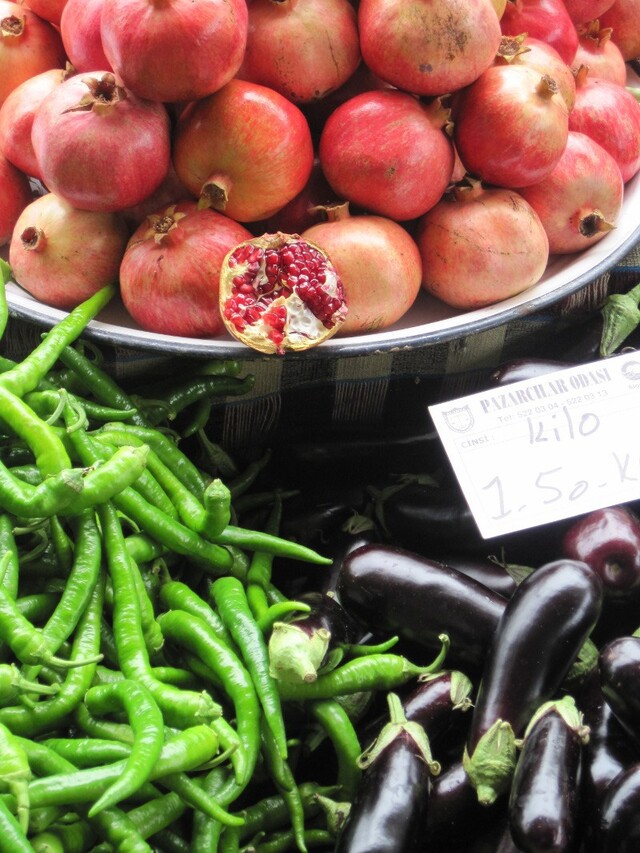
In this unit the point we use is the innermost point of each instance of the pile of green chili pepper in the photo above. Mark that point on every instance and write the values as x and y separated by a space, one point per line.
137 707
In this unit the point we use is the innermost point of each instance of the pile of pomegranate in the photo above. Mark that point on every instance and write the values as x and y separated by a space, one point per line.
361 151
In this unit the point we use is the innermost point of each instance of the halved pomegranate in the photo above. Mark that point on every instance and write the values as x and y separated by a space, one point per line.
279 292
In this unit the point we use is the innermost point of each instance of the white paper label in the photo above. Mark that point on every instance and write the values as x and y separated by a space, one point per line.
540 450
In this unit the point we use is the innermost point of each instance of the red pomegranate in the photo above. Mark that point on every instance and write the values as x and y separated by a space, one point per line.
291 49
80 31
428 48
174 51
622 17
245 150
62 255
388 153
99 146
511 126
50 10
378 263
547 20
542 57
481 245
579 202
609 114
583 11
281 293
169 276
600 54
28 46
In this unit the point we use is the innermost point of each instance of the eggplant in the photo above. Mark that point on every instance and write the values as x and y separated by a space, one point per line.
302 646
609 751
389 808
454 812
543 799
391 589
540 634
488 572
619 823
609 541
619 666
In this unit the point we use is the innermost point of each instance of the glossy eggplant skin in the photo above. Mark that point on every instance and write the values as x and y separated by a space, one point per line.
619 666
544 625
609 541
486 571
609 751
619 824
389 808
326 613
543 801
395 590
454 811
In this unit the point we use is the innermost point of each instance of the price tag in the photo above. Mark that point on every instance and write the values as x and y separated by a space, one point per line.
537 451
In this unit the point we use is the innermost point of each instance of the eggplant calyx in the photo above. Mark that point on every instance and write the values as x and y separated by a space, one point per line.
295 656
399 726
621 316
492 763
336 813
585 663
567 710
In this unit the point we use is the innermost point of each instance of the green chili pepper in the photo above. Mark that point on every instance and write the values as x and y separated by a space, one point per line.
51 712
231 602
341 732
257 540
176 595
15 774
50 497
5 277
193 634
373 672
146 721
282 841
12 836
179 706
26 375
259 573
13 684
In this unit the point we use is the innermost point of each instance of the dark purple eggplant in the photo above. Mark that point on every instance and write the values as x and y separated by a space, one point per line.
302 646
454 811
619 823
609 751
609 541
486 571
539 636
619 665
391 589
431 703
388 811
436 519
544 794
519 369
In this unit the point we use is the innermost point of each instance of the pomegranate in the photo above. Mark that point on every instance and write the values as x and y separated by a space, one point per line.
378 263
480 245
583 11
600 54
80 31
169 276
16 118
547 20
15 195
511 126
98 145
428 48
542 57
291 49
245 150
62 255
388 152
622 17
28 46
579 202
50 10
177 50
609 114
170 191
280 292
